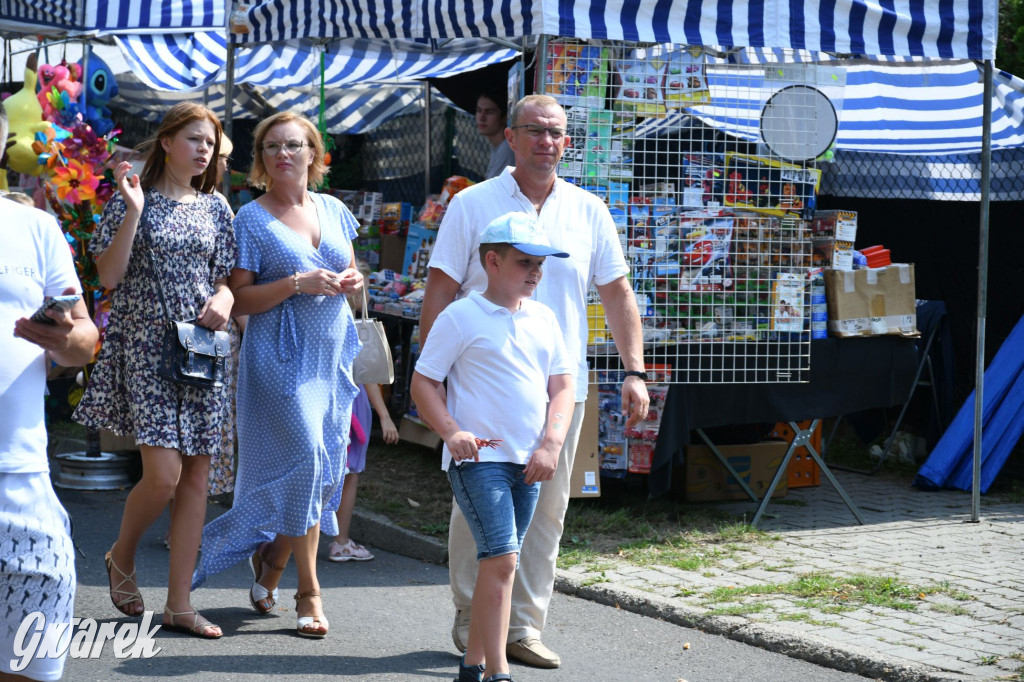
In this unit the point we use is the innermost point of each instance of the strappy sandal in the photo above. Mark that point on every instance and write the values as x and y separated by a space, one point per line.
197 629
133 596
470 673
499 676
262 599
310 626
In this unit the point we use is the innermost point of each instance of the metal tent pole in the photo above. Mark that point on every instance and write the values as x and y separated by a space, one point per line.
979 369
229 87
426 133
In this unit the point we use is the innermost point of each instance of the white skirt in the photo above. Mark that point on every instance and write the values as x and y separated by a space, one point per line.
37 566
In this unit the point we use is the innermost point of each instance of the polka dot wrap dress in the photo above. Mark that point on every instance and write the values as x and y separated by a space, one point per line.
295 391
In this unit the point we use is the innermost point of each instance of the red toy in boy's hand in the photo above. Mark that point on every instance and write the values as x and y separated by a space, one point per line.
488 443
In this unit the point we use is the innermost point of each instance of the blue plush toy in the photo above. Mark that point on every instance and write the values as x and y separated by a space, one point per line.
100 88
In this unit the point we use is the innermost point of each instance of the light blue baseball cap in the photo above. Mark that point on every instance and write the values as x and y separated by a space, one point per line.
521 231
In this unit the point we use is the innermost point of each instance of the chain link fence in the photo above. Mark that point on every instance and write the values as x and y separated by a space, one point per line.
393 155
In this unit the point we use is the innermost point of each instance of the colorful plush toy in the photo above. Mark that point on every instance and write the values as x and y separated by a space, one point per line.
100 88
25 117
55 79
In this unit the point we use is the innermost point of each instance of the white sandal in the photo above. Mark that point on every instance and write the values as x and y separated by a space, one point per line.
350 551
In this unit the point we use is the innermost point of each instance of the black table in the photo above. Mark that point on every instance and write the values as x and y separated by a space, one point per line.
845 375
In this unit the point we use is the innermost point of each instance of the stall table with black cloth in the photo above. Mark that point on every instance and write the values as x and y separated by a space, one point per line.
845 375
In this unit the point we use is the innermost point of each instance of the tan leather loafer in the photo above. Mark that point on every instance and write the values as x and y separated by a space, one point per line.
460 630
531 651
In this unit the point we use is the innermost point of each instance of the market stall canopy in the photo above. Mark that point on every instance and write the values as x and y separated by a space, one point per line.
350 110
192 62
889 107
103 17
911 28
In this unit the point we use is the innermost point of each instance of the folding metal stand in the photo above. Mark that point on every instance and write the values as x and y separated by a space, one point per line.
802 437
925 361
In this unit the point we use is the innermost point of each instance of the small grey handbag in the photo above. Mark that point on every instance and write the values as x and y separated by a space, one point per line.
373 364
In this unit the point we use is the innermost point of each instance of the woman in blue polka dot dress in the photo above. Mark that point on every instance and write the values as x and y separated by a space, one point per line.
295 389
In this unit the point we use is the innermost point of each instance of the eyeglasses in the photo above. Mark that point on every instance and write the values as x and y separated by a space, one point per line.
537 132
226 159
274 148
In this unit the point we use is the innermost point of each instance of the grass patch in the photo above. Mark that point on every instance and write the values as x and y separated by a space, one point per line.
625 524
65 428
835 594
405 483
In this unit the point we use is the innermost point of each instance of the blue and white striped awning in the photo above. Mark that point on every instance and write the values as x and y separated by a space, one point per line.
947 29
352 110
101 17
917 107
192 62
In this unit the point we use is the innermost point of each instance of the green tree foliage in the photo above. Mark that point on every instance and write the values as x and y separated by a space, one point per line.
1010 46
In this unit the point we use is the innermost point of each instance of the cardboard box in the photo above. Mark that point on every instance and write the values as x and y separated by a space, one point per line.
392 252
585 478
418 244
872 302
708 480
415 432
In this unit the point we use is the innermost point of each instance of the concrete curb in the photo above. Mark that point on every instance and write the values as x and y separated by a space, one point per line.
377 530
800 645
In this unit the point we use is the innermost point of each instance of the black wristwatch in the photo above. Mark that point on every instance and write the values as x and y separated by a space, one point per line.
635 373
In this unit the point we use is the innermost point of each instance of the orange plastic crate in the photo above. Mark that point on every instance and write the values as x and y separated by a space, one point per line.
802 471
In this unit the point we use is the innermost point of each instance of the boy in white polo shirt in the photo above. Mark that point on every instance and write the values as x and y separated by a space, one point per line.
509 403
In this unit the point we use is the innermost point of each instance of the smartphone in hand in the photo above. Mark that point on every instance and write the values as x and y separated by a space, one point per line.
60 303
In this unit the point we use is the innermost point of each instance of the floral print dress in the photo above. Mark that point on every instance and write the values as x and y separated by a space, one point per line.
193 245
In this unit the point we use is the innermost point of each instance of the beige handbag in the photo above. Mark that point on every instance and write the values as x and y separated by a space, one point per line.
373 364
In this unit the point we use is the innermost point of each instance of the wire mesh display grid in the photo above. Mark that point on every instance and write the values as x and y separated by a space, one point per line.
710 176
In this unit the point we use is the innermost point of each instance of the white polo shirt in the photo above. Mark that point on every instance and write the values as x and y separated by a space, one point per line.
497 364
35 262
575 221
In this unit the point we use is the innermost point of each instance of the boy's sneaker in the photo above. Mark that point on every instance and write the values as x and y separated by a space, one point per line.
531 651
470 673
350 551
460 629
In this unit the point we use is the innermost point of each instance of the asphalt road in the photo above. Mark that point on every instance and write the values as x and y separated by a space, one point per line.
390 620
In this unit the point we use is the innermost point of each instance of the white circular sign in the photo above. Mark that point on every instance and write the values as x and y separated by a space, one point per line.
799 123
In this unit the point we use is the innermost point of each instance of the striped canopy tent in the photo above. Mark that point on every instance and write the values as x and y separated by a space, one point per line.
368 81
928 111
965 29
933 29
104 17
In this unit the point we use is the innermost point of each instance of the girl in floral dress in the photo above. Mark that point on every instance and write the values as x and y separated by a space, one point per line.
170 212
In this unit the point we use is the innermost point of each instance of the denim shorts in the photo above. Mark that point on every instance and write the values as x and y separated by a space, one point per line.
497 502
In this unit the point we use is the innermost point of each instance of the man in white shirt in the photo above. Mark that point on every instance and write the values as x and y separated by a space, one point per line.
36 557
577 222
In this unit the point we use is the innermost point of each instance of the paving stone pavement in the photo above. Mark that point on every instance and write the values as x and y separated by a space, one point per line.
972 628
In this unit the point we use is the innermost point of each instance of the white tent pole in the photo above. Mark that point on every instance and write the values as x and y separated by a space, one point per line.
229 87
83 101
426 132
979 369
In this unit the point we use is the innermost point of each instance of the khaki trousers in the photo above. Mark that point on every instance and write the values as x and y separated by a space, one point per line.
535 579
